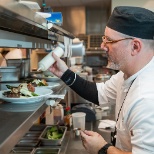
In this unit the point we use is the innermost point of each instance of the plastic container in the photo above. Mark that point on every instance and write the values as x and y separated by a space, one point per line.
79 120
48 60
58 114
99 114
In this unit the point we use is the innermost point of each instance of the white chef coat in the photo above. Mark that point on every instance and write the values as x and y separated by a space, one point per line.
135 127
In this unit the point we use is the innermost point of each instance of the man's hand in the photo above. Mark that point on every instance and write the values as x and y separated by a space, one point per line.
92 141
59 67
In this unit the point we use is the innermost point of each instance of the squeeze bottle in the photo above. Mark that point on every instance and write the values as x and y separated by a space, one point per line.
48 60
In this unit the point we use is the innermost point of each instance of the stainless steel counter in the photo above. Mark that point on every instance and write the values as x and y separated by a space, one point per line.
16 119
75 144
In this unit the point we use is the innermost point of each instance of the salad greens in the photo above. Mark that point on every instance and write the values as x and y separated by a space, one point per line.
54 133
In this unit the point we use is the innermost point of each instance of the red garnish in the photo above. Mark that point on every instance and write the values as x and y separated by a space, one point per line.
67 108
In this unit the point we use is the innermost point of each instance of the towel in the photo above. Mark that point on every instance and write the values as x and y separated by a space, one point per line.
105 124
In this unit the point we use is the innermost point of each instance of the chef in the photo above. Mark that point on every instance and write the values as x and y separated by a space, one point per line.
129 41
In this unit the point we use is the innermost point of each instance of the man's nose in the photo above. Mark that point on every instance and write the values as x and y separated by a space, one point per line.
103 46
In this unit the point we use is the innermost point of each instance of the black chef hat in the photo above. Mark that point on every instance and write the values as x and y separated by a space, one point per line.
133 21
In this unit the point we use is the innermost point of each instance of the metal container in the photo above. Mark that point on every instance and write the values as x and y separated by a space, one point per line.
10 73
23 64
32 135
27 143
22 150
49 142
46 150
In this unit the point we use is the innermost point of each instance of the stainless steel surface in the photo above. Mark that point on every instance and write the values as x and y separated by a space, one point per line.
78 49
64 3
16 40
23 28
11 73
15 124
21 19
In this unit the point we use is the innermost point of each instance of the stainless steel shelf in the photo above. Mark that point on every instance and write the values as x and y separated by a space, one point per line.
16 119
15 124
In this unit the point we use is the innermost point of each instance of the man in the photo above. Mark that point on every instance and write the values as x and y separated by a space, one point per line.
129 42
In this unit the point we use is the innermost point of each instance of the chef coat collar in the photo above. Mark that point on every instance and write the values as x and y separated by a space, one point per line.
128 81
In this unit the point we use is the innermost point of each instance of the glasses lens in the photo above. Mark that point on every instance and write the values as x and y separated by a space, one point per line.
103 38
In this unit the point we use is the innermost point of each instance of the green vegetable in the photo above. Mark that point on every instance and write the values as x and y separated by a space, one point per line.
54 133
10 87
34 94
41 84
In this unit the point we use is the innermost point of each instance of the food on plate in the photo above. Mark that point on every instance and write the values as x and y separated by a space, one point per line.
23 90
54 133
38 82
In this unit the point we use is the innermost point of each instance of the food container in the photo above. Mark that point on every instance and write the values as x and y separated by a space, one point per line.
46 151
22 150
27 143
99 113
23 64
32 135
10 73
49 142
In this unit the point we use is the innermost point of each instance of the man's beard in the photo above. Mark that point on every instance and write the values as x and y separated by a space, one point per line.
112 64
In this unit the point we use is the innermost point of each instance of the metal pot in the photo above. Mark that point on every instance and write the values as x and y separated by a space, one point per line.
11 73
23 64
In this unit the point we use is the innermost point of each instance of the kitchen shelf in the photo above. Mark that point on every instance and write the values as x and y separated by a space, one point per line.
16 119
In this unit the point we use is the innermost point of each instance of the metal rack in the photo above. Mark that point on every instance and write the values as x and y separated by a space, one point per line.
23 28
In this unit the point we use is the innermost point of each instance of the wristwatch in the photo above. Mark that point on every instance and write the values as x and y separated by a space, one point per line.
103 150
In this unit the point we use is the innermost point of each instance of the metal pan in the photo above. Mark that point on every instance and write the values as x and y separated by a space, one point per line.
22 150
27 143
48 142
46 151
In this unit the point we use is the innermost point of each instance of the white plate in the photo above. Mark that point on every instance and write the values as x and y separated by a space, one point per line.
42 95
48 79
50 85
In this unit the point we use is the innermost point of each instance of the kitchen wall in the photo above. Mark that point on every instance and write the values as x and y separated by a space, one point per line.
74 19
84 20
149 4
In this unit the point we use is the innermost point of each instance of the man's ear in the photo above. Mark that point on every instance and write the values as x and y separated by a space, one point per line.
136 46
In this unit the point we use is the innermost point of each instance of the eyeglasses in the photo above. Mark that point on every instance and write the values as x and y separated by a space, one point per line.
107 40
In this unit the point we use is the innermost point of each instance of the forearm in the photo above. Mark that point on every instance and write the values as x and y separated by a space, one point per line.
114 150
84 88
